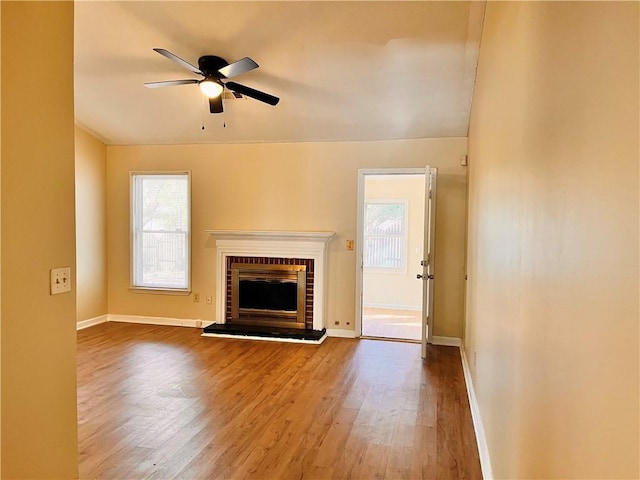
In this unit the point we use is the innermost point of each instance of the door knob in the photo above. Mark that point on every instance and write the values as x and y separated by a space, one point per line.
424 277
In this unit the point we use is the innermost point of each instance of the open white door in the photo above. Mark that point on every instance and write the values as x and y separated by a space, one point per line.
428 261
389 299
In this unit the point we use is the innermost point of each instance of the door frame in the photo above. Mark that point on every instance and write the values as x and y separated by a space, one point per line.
362 173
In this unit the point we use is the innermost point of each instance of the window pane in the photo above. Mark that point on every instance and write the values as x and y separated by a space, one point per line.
384 235
164 203
164 259
383 252
384 218
161 231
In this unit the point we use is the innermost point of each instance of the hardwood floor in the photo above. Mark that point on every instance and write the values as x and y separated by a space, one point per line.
392 323
162 402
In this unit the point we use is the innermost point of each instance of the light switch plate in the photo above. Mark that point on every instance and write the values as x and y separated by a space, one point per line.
60 280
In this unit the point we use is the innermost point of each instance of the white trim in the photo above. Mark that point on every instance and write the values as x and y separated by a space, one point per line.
391 171
481 439
161 291
272 235
172 322
446 341
267 339
359 252
90 322
338 332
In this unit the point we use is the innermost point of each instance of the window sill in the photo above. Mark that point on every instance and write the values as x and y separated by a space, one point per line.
160 291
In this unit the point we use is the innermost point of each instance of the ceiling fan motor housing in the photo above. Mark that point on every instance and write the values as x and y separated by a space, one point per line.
210 64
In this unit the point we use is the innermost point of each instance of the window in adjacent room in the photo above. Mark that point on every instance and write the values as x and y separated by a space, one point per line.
385 235
160 213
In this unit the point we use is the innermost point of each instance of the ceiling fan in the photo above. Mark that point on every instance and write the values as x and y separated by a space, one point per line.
215 70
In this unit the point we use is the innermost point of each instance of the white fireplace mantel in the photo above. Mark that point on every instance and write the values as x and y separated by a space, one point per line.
263 235
280 244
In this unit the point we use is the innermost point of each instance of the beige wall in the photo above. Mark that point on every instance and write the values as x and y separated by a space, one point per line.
38 407
299 186
91 226
553 239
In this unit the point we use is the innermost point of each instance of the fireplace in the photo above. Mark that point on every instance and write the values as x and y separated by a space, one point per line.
281 256
269 291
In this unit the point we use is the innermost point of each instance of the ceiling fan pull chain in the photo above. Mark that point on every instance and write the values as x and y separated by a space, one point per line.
204 106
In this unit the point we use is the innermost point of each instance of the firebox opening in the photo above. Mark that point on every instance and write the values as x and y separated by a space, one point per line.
269 295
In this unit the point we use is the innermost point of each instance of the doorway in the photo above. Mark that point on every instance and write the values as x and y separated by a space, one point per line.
393 236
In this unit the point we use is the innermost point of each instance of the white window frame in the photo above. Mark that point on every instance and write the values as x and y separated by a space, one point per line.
134 215
405 235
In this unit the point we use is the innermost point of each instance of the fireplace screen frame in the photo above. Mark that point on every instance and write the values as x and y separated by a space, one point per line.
279 273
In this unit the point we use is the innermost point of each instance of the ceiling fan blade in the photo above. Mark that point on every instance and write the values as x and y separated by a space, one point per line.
237 68
253 93
169 83
178 60
215 104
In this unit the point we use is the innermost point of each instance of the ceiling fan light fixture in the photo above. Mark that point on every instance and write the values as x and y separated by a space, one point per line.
214 69
210 88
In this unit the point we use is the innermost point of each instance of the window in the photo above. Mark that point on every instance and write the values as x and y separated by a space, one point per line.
385 235
160 222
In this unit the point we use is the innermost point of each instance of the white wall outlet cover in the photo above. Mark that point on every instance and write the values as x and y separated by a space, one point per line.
60 280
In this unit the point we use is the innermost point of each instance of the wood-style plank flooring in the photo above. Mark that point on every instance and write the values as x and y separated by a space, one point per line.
392 323
162 402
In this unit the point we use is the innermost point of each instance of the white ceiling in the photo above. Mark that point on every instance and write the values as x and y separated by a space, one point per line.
344 71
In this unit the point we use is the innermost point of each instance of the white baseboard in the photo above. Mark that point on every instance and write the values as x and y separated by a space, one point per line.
90 322
171 322
181 322
481 439
446 341
338 332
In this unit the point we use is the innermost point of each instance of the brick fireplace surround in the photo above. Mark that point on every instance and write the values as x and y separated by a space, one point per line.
280 248
307 262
